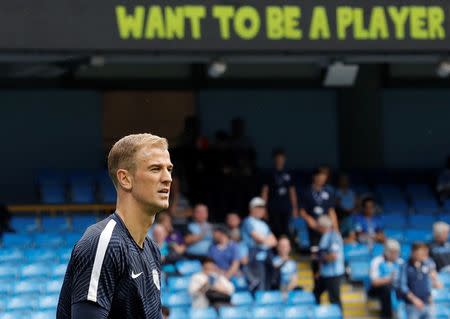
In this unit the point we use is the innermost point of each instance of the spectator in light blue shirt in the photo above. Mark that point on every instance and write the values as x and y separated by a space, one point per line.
199 237
260 240
285 266
384 272
331 262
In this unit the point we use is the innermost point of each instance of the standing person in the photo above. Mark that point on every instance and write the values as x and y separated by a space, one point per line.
417 277
345 198
260 241
114 270
317 201
199 237
331 262
280 194
384 272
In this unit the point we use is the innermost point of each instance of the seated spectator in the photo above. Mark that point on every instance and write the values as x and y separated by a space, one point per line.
179 207
417 277
174 238
384 271
345 198
159 235
367 225
224 252
234 223
209 287
443 183
199 237
331 262
440 247
285 269
260 240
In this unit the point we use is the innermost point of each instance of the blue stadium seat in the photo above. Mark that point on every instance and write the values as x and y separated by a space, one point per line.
274 297
242 298
48 302
240 283
353 252
52 286
20 304
46 314
82 188
412 235
397 234
377 249
441 296
444 217
48 240
300 297
405 251
11 255
188 267
359 271
202 313
444 278
27 286
178 283
177 299
421 221
40 255
23 223
58 270
227 312
63 254
440 312
80 223
297 312
395 205
17 240
419 191
2 304
179 313
327 312
6 287
266 312
53 194
394 220
54 224
15 314
107 192
446 205
34 270
72 238
8 272
429 205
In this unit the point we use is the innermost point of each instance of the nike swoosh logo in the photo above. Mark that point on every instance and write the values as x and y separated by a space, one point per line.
134 276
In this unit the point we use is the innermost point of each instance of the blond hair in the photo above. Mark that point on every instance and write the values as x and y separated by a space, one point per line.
122 154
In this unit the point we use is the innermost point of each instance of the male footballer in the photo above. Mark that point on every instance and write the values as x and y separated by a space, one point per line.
114 270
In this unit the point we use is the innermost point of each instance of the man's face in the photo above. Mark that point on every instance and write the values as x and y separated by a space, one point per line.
159 234
201 213
280 161
284 247
152 177
442 237
392 255
320 179
209 268
259 212
218 236
420 254
369 208
233 221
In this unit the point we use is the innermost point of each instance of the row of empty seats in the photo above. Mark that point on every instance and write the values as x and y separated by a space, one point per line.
52 224
11 240
81 187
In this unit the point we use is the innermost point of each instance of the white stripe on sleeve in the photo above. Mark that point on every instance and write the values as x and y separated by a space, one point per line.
102 245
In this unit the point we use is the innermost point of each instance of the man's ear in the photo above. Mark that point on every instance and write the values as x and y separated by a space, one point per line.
124 179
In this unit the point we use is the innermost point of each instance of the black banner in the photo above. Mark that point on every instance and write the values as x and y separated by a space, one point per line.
310 26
